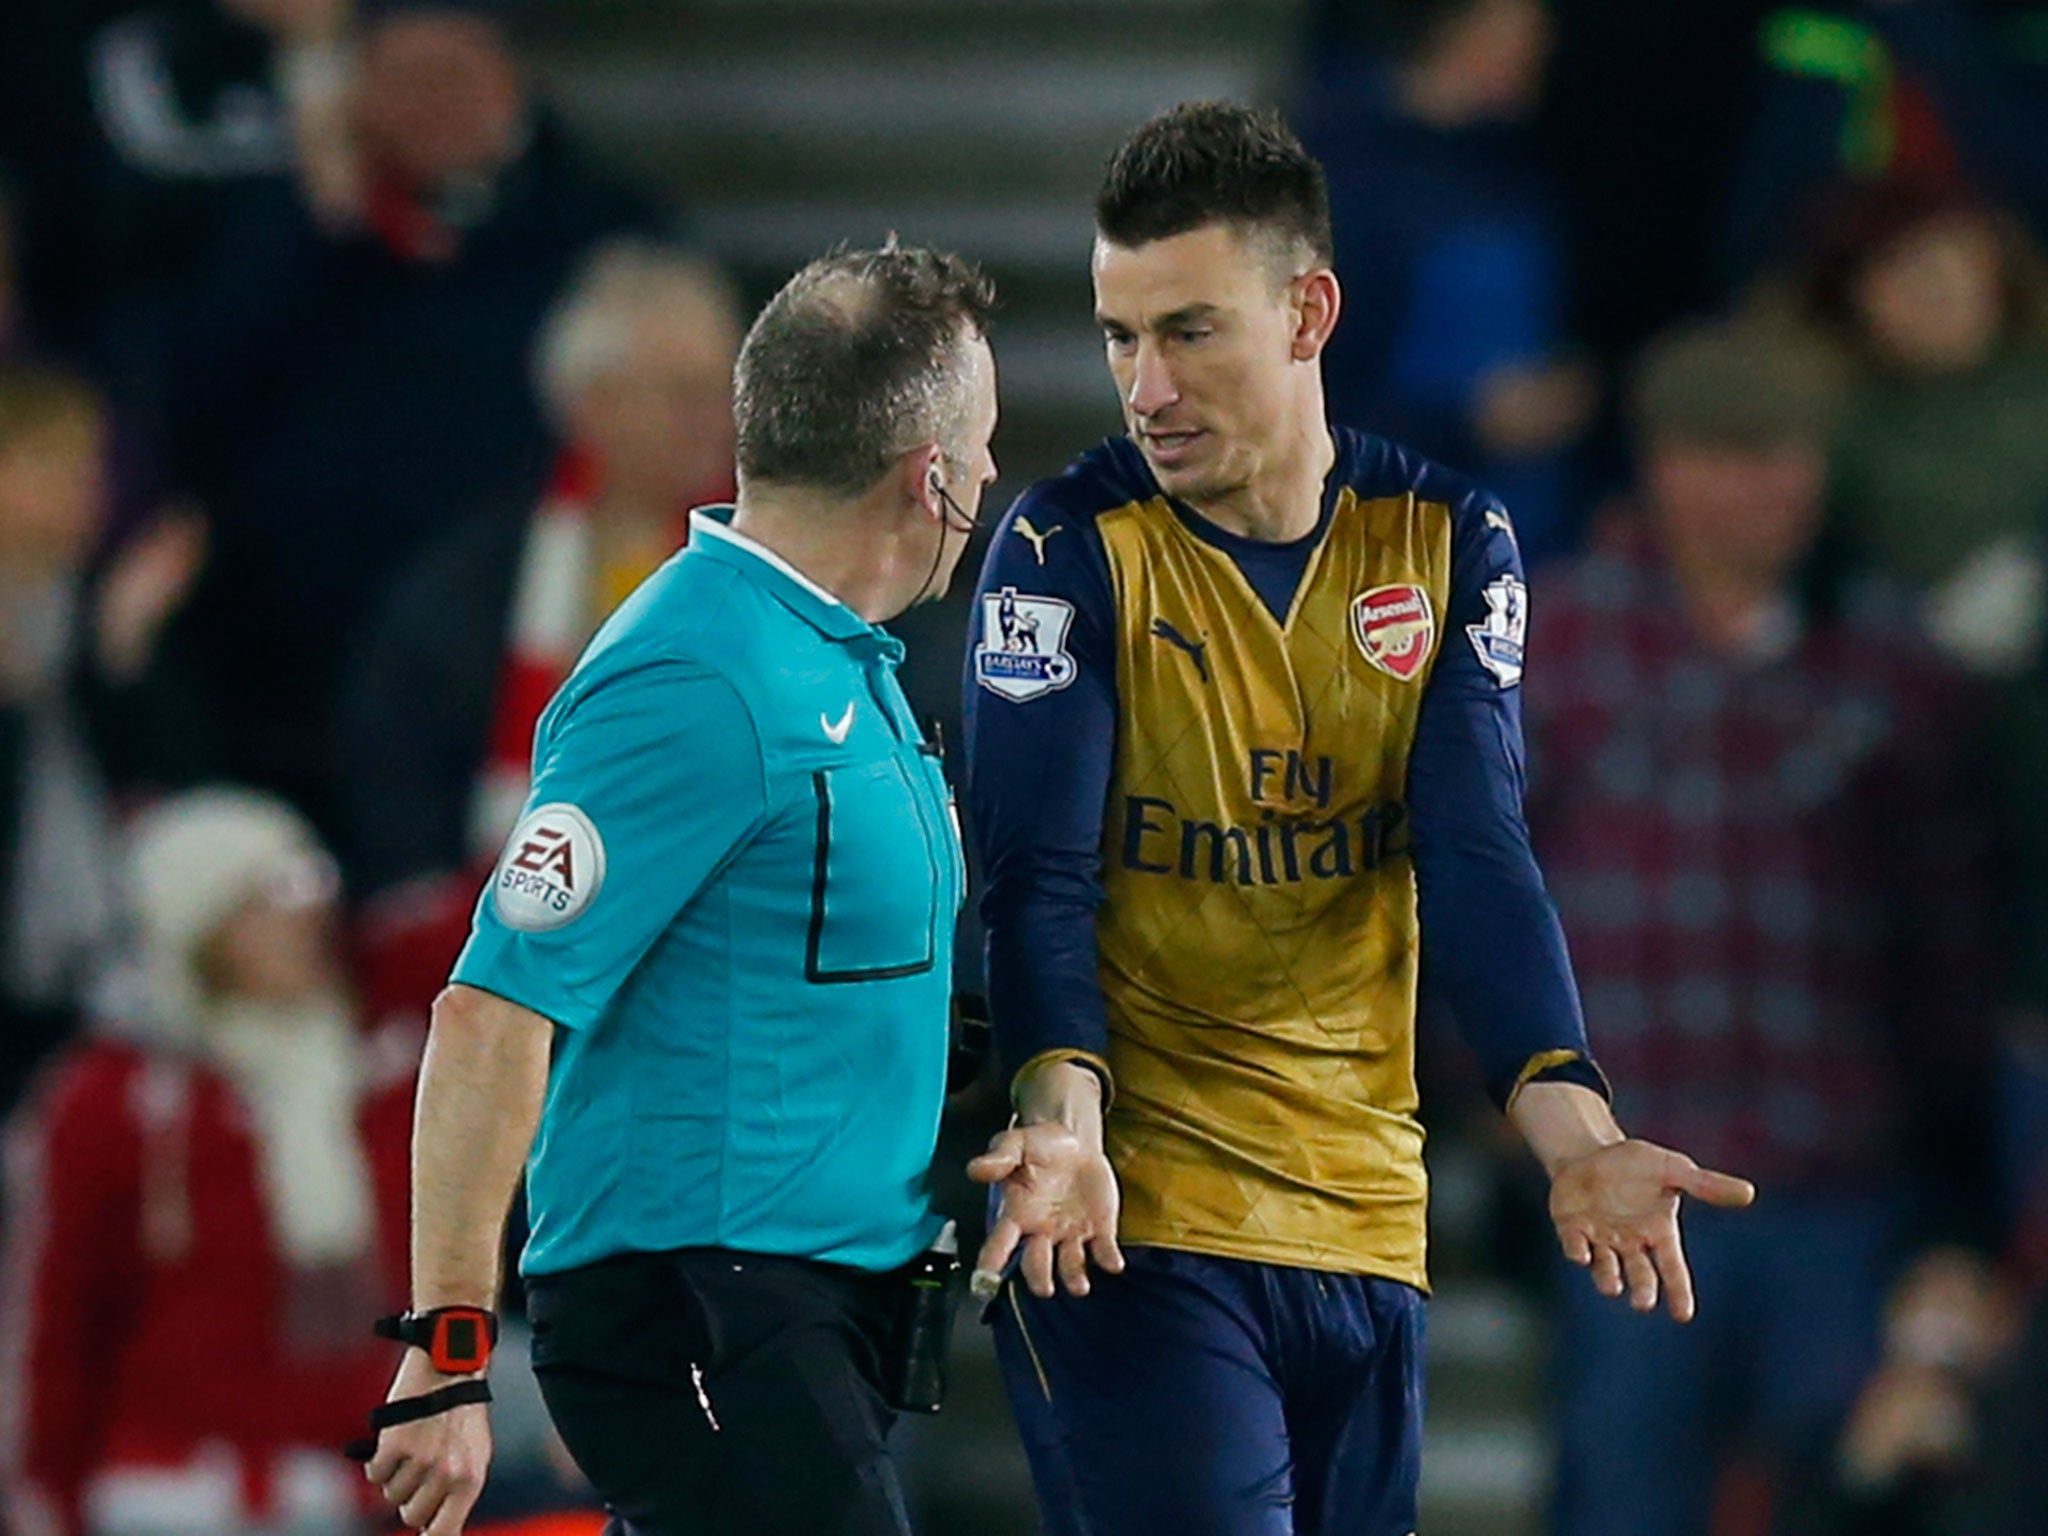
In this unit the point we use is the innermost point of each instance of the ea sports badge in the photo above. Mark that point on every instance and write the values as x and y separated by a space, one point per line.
1395 628
551 870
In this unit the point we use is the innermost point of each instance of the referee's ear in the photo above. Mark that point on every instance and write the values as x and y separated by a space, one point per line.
923 470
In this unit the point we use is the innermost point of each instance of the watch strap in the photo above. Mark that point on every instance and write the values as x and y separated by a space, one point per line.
457 1339
406 1409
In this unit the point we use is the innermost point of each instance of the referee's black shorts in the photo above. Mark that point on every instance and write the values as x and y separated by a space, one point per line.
712 1393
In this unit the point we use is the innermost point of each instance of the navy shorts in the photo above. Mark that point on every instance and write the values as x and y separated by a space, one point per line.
1199 1396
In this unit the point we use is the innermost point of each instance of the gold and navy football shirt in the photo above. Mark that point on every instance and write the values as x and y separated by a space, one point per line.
1234 800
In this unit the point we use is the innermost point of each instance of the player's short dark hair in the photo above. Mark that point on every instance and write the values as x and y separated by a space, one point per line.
1214 162
858 359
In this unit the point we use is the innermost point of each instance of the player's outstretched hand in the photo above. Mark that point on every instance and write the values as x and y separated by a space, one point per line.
432 1469
1059 1200
1616 1213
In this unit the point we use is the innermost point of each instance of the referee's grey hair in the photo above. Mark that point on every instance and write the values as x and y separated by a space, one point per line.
861 357
589 331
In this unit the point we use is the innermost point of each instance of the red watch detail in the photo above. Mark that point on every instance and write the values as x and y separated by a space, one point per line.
460 1339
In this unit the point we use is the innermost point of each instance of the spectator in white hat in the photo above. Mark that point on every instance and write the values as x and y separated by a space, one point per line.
204 1202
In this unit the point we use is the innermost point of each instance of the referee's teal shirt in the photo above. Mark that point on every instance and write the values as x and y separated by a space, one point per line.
734 890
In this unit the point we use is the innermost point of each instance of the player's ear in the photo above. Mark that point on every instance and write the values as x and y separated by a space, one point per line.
1320 300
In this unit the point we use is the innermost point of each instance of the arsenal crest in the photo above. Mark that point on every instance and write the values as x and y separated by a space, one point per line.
1395 628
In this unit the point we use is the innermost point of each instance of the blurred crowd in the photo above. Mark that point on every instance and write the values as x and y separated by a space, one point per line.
341 397
1743 314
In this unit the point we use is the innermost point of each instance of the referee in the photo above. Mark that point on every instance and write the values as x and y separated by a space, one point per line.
705 999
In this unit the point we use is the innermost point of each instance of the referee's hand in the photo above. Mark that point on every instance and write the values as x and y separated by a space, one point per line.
1059 1200
432 1469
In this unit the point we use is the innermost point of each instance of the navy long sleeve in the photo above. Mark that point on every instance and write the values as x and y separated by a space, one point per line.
1493 950
1036 783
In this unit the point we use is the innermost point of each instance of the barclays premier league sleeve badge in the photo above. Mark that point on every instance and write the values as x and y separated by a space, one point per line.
1023 649
550 871
1501 636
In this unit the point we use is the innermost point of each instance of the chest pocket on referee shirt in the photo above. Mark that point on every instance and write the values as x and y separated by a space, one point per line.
876 880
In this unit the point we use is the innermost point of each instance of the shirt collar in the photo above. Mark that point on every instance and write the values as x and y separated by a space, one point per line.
711 534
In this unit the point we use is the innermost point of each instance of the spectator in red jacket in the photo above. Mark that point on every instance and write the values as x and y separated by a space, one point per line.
634 364
204 1208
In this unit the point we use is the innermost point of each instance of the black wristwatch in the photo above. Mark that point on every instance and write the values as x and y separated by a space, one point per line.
457 1339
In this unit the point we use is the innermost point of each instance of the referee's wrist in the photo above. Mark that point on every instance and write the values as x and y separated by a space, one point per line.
454 1340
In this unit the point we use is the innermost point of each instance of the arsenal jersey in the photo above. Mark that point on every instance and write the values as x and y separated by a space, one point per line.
1238 804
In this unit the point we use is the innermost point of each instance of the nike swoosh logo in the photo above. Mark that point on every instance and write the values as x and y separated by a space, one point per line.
837 731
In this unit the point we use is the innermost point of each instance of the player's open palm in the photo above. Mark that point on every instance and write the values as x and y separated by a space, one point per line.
1058 1200
1616 1213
